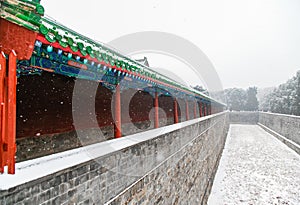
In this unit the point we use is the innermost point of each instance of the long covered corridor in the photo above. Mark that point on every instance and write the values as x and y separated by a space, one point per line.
256 168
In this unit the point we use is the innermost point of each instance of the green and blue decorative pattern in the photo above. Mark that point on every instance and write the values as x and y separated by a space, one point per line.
64 51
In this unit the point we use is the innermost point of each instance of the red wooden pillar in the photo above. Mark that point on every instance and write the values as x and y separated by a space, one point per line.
156 117
187 114
175 111
11 111
195 109
8 98
12 38
200 109
208 109
118 124
205 109
2 110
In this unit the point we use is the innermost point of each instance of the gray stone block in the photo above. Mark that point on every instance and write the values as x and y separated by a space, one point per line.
169 169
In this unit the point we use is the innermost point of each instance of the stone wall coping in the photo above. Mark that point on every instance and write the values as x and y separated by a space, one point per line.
40 167
242 111
284 115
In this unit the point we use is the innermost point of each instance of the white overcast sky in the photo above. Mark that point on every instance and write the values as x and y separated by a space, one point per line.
250 42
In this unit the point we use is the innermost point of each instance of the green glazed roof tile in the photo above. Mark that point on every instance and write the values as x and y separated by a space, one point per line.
58 37
70 41
40 9
74 48
43 29
29 14
80 45
63 44
22 12
50 38
92 55
89 49
83 52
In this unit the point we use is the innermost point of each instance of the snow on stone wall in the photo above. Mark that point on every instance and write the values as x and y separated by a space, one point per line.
171 164
287 126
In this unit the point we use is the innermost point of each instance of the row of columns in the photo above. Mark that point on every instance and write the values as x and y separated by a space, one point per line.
204 110
8 88
8 82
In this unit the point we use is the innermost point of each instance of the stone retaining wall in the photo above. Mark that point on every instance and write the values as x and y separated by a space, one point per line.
186 176
286 125
177 167
243 117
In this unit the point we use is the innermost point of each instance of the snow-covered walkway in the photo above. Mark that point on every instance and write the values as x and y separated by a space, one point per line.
256 168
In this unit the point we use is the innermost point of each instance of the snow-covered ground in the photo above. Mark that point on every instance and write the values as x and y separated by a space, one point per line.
256 168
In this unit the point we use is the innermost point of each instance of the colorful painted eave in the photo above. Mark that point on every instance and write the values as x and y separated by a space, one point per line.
29 14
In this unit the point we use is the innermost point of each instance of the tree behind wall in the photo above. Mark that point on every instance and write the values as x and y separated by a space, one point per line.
242 100
285 99
252 102
296 107
236 98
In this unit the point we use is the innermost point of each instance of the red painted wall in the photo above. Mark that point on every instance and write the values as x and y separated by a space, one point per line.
44 105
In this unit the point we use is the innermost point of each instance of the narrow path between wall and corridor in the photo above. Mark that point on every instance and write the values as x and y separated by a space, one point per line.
256 168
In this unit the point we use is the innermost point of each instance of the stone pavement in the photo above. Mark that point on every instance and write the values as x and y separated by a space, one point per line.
256 168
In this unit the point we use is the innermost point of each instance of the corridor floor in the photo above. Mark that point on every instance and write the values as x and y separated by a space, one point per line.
256 168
